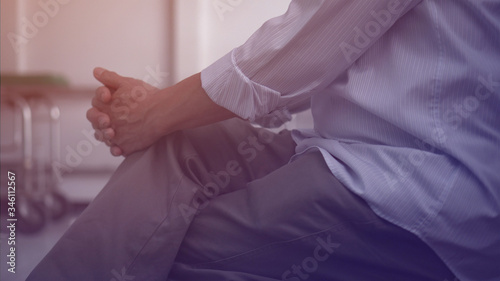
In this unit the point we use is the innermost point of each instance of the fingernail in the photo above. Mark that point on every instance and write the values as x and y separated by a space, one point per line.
98 71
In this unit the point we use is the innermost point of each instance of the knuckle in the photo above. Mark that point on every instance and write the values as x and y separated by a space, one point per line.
94 125
90 114
107 134
99 90
98 135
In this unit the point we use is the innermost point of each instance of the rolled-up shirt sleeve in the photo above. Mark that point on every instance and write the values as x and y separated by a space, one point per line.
297 54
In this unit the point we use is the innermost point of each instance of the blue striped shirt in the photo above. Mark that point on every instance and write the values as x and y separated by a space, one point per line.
405 97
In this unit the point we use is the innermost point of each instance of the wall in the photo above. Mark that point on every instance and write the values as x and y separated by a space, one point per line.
205 30
8 16
71 37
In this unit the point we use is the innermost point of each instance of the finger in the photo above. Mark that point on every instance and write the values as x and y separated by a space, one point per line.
97 103
103 94
108 133
98 119
92 115
98 135
108 78
116 151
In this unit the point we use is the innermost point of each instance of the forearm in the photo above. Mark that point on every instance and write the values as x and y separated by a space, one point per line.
186 105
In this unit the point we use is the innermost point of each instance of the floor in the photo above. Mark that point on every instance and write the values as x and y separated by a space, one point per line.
31 248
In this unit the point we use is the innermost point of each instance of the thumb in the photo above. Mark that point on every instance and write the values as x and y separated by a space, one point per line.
108 78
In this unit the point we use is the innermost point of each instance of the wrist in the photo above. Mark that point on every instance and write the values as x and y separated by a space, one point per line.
185 105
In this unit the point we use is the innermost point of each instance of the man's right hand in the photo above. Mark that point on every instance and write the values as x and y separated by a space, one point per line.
122 113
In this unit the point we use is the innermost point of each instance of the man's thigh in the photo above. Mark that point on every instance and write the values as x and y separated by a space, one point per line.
133 228
227 155
298 223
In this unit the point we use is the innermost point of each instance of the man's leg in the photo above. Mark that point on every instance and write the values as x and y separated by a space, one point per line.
132 230
300 223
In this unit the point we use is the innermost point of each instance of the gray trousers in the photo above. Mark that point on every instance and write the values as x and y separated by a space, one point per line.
222 202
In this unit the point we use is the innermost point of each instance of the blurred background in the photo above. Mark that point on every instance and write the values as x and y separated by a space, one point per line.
48 51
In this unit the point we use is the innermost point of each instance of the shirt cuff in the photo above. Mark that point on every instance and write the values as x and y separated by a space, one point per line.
228 86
